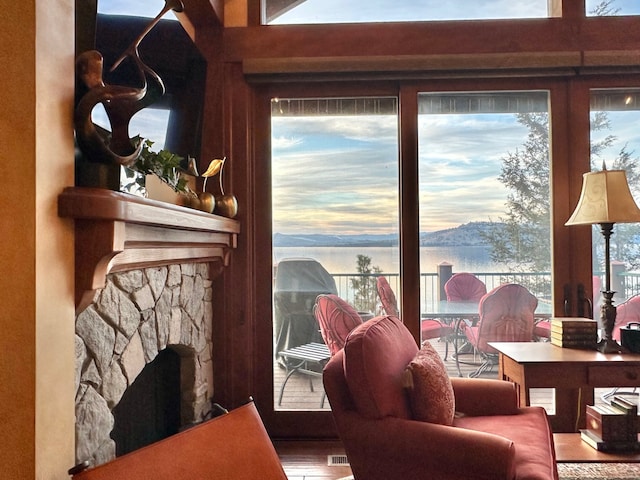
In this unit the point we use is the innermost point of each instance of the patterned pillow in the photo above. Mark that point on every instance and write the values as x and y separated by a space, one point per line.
429 387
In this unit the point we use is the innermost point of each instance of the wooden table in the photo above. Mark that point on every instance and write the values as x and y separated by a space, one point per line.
571 448
572 373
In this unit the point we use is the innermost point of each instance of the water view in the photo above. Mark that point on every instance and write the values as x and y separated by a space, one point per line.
341 260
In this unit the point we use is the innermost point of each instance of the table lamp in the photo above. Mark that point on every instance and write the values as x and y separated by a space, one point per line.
605 199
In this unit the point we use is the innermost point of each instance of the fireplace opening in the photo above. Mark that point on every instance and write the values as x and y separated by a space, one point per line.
149 410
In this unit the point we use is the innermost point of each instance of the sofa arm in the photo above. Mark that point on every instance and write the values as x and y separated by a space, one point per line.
393 448
479 396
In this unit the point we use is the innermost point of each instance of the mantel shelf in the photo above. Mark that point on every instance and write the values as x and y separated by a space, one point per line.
116 232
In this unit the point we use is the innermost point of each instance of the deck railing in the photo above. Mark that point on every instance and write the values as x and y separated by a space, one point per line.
625 284
430 285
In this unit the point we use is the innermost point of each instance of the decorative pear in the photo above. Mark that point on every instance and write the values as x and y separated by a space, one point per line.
225 204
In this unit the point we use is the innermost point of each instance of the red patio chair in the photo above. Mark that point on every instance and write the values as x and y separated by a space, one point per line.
506 315
429 327
464 287
336 319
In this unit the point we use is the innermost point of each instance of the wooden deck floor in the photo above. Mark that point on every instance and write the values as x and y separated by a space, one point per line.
298 395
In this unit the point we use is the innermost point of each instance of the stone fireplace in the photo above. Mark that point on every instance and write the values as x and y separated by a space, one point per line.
135 316
144 272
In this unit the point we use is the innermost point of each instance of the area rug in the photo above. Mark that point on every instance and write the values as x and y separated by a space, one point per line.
599 471
591 471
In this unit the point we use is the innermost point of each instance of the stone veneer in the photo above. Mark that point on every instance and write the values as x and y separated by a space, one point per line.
136 315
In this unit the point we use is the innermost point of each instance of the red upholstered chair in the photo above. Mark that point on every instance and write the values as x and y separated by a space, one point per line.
429 327
383 424
506 315
464 287
336 319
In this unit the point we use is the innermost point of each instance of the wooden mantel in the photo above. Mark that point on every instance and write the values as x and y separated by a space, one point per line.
116 232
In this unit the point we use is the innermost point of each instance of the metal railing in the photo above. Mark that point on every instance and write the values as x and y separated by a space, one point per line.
538 283
626 284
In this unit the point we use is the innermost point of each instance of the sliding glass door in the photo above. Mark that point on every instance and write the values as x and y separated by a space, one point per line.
334 188
484 163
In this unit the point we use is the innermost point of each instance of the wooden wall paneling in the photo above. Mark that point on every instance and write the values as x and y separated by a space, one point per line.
409 211
559 175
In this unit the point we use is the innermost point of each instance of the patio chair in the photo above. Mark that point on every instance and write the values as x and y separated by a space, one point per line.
429 327
336 319
506 315
464 287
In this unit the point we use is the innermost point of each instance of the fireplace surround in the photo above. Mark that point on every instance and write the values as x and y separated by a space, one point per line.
138 314
144 283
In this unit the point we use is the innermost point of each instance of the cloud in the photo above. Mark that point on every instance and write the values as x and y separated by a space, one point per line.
340 175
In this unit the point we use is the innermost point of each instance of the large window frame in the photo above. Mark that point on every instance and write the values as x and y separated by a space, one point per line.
569 159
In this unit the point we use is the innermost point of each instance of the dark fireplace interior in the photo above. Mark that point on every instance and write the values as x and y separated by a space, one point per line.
150 408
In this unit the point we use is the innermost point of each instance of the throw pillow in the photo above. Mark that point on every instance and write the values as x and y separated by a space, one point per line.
430 392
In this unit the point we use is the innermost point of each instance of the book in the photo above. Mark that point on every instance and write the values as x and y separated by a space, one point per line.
559 324
611 423
577 337
596 442
631 408
564 343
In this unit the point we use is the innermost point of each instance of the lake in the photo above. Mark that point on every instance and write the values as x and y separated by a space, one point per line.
343 259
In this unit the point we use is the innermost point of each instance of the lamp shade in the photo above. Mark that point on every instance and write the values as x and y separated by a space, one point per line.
605 198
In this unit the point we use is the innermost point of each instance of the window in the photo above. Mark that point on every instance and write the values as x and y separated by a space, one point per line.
484 191
277 12
597 8
146 8
615 142
334 188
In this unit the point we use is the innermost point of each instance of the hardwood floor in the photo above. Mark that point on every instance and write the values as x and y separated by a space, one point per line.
305 460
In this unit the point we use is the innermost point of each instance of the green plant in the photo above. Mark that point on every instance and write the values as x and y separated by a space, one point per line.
163 164
364 285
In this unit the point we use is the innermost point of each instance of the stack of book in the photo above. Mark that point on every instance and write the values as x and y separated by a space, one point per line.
574 332
612 428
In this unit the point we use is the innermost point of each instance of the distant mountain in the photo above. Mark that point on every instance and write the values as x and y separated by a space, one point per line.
468 234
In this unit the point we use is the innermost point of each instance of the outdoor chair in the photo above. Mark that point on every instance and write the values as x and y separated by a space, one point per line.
401 417
464 287
429 327
506 315
336 319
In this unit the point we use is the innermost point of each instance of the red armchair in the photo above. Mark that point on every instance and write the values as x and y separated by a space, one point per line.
488 438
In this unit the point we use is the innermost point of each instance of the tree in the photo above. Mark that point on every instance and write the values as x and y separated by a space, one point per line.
520 238
364 285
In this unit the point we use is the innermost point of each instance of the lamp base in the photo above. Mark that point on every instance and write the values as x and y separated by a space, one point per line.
609 346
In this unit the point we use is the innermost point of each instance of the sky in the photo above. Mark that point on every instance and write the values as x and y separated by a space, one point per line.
390 10
340 174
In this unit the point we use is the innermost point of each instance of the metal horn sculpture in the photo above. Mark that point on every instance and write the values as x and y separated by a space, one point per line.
120 102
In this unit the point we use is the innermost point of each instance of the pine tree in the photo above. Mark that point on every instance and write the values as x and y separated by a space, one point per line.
364 285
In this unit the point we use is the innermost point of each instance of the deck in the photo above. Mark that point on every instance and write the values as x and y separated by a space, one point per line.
298 395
